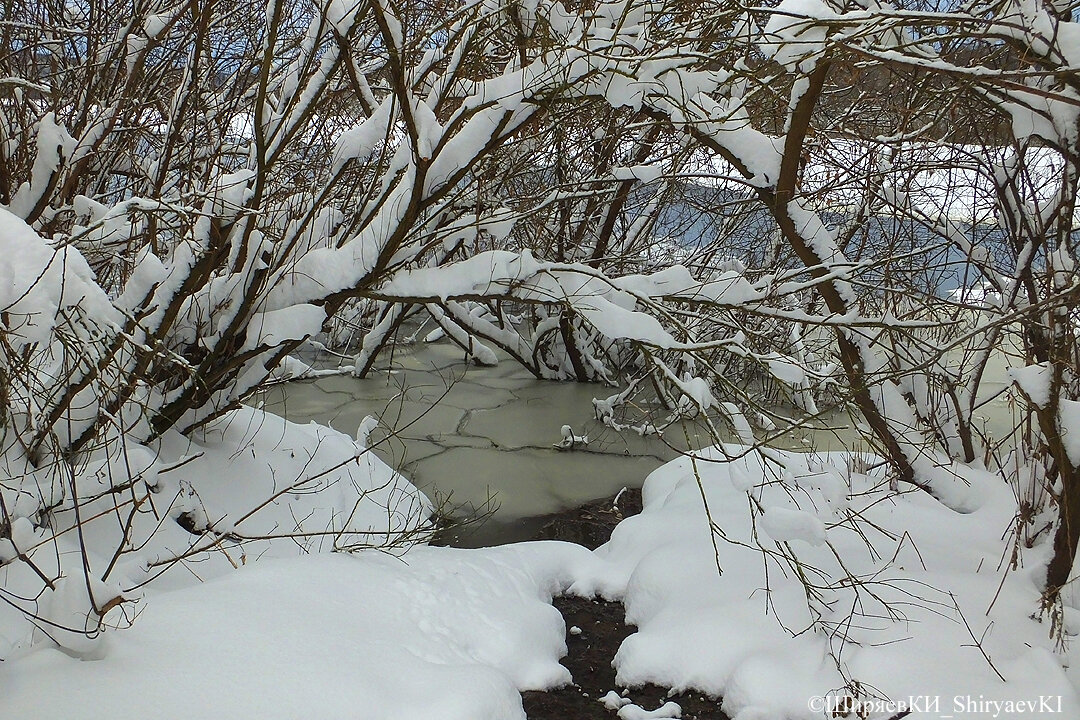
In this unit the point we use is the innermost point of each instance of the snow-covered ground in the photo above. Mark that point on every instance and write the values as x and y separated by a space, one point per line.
440 634
249 487
836 582
892 590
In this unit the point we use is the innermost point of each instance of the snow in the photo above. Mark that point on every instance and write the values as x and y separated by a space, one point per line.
1044 117
503 273
318 481
360 141
252 486
570 441
1034 381
784 524
792 35
274 327
740 634
728 123
38 281
948 182
442 634
1069 412
446 633
154 25
613 701
980 294
53 145
785 370
643 173
617 322
636 712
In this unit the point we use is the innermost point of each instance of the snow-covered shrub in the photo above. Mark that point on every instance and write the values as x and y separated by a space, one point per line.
903 164
84 524
190 194
188 198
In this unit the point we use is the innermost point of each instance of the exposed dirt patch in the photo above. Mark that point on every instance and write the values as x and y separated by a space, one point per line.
590 524
589 661
602 630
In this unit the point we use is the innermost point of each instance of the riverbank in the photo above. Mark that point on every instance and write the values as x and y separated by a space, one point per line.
770 581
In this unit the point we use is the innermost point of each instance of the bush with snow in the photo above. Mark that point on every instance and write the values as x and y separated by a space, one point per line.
185 201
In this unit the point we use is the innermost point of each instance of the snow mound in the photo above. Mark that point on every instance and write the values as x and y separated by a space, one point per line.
250 486
897 616
820 590
441 634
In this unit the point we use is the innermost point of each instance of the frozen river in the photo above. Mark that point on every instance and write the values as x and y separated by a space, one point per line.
483 437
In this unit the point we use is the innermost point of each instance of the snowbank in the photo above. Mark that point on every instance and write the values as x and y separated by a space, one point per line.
772 646
830 589
442 634
250 486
